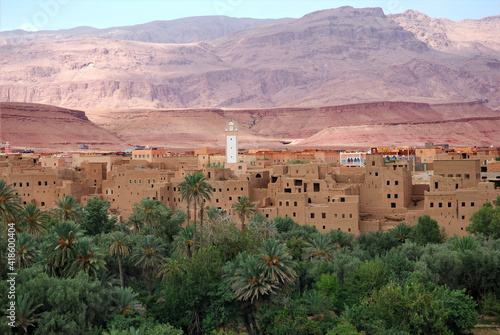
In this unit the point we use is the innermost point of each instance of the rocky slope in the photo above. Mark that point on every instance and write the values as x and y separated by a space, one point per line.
359 125
185 30
43 126
331 57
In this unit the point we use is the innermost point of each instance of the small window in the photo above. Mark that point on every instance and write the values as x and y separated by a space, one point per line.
472 204
436 184
463 204
440 204
342 199
350 216
449 204
287 203
324 227
43 203
230 198
463 217
295 203
376 174
467 176
294 214
343 216
388 182
312 215
39 183
395 196
334 216
281 203
395 183
323 215
393 205
388 196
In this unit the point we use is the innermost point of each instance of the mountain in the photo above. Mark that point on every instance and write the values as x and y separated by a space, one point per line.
43 126
331 57
345 126
185 30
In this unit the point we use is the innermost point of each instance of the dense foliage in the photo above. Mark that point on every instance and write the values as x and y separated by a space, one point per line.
81 272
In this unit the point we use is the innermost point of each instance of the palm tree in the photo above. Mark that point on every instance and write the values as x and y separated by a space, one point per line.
33 217
61 246
25 313
25 250
464 243
195 188
126 300
278 264
87 259
403 232
319 246
149 210
212 214
170 266
149 257
244 208
9 207
120 248
9 202
183 241
68 209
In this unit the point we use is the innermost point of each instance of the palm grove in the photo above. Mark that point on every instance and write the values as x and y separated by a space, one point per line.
80 271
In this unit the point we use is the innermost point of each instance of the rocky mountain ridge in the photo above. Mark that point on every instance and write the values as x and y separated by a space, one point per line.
331 57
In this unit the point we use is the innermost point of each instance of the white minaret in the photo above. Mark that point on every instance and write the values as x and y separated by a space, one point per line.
231 143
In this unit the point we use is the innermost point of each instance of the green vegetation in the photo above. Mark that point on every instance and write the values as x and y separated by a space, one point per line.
296 161
81 272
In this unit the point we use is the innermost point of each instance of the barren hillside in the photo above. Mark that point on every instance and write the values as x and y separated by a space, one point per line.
43 126
330 57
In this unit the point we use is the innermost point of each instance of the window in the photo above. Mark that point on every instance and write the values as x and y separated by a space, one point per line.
324 227
350 216
294 214
472 204
376 174
316 187
281 203
463 217
287 203
342 199
295 203
467 176
449 204
395 183
21 185
388 196
395 196
456 186
393 205
463 204
323 215
436 184
388 182
39 183
230 198
334 216
288 190
440 204
343 216
312 215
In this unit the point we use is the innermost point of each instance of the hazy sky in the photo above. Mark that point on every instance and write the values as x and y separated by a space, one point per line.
62 14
